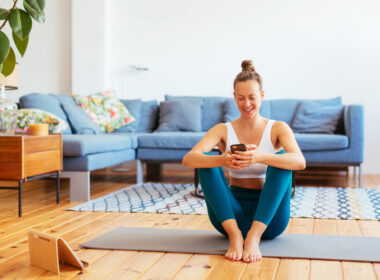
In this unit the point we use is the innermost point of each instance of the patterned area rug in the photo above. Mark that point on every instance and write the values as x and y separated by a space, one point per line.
311 202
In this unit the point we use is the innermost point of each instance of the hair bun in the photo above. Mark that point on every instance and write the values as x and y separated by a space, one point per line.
247 65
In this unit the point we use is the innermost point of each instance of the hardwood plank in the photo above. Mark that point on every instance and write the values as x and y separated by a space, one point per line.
265 269
293 269
226 269
348 228
22 234
32 220
167 266
107 264
358 270
137 265
302 226
325 227
325 270
370 228
198 267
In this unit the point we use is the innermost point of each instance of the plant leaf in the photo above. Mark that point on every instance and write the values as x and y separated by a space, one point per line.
21 23
1 66
4 46
35 9
4 13
20 44
9 63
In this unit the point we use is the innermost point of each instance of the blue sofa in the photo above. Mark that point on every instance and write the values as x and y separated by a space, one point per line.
86 152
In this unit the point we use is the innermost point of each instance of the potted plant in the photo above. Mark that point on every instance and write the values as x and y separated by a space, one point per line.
20 21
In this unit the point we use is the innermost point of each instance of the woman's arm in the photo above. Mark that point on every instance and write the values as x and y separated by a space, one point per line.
291 160
196 157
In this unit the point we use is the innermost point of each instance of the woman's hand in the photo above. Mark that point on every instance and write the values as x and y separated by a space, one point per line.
230 161
244 159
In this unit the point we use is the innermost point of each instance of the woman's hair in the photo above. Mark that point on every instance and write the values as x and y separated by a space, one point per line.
248 73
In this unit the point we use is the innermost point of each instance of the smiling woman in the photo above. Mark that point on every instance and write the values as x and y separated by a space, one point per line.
256 203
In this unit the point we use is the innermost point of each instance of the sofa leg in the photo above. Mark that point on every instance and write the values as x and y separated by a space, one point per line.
79 184
354 172
140 172
154 171
360 176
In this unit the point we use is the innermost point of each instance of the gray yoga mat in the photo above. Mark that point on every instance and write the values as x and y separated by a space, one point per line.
305 246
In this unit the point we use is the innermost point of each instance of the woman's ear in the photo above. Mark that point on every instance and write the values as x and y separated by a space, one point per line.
262 94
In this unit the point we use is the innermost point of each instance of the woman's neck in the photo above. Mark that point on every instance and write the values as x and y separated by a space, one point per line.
251 123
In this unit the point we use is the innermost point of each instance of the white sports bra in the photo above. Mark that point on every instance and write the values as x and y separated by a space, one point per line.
256 170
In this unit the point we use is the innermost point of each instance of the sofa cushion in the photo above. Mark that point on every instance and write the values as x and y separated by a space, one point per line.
80 121
44 102
313 117
180 115
212 110
285 109
231 111
134 107
321 142
170 140
98 161
80 145
148 116
63 98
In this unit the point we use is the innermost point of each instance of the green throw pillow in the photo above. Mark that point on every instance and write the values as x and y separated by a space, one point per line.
25 117
108 112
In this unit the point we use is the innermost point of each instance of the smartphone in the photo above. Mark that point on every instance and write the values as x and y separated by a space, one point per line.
238 147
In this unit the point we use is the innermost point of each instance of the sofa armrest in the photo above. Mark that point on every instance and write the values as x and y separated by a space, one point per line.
354 127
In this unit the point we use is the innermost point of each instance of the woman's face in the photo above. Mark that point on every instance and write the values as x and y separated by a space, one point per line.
248 96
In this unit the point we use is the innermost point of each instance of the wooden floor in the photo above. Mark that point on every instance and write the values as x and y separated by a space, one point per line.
41 213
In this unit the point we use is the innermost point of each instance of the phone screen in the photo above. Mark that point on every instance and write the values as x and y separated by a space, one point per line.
238 147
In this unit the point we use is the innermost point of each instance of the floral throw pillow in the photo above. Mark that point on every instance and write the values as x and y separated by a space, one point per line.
108 112
25 117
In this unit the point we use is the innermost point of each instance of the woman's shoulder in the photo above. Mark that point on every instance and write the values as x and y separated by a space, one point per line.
222 127
219 129
280 127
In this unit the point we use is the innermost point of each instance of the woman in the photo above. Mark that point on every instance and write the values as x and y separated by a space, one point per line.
257 203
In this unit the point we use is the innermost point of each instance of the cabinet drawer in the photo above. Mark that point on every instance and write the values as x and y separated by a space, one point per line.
43 162
36 144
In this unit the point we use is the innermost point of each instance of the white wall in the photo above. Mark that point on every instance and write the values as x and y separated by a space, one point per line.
46 65
308 49
88 46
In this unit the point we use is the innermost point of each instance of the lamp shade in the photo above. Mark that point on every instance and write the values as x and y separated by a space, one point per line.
11 81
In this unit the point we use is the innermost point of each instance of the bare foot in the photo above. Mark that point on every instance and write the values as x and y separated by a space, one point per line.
235 251
252 251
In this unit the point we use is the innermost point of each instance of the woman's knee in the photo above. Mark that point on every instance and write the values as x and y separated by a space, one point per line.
209 172
275 172
275 229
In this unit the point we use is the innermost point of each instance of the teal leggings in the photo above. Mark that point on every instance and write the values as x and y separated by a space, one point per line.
271 205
